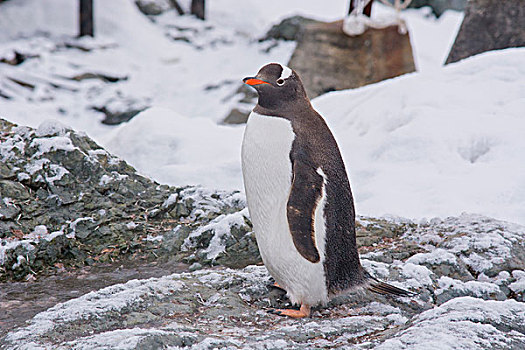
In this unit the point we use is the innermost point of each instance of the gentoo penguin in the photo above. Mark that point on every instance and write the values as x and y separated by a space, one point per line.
299 197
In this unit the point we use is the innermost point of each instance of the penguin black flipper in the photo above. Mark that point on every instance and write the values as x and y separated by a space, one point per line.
305 196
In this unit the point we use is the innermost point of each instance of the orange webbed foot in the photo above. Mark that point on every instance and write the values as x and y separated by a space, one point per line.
304 311
276 285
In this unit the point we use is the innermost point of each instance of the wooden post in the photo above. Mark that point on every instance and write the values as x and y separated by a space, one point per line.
368 8
197 8
86 17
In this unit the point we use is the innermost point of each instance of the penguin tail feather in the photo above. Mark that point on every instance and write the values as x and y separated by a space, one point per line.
383 288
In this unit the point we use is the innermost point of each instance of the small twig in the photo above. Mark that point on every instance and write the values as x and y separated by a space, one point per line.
177 7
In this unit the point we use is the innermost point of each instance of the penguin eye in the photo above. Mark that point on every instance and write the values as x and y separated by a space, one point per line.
280 82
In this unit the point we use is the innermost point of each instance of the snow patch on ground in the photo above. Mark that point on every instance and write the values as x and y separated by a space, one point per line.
180 154
220 227
462 323
96 304
519 285
45 145
474 288
437 256
480 242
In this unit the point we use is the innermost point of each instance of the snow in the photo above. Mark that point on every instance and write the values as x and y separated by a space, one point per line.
221 228
50 127
36 165
461 323
519 285
6 245
73 224
172 199
96 304
10 243
53 235
431 38
479 242
180 156
417 275
117 339
115 176
375 268
151 238
130 225
9 148
437 256
59 173
57 143
478 289
357 23
436 151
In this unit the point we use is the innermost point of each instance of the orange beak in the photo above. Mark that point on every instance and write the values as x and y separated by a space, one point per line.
254 81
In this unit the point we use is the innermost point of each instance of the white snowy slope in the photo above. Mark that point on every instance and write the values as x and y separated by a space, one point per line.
439 143
421 145
175 149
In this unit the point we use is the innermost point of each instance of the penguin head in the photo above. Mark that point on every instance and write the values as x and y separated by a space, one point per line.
278 87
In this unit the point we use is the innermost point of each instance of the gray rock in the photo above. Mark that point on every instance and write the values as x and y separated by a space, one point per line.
288 29
440 6
489 25
12 189
468 271
118 117
8 212
152 7
241 253
329 60
246 98
467 323
95 208
237 116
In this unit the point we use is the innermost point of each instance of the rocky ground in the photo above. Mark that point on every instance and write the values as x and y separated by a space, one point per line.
65 201
226 308
68 206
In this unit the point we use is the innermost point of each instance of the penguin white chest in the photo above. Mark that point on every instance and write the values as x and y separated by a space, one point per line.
267 172
266 164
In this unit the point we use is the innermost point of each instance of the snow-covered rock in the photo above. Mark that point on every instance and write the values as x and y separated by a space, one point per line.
66 200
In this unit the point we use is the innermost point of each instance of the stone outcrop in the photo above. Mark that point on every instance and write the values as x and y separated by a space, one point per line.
489 25
329 60
65 200
288 29
153 7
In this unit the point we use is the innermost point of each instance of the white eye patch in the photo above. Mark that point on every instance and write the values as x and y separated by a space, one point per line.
285 73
